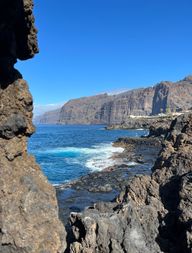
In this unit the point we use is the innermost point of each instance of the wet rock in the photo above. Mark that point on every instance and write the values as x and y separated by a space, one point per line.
106 185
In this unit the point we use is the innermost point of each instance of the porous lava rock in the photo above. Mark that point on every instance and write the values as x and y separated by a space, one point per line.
18 36
29 220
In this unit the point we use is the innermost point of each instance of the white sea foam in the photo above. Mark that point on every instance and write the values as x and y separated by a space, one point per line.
95 158
103 157
56 184
106 148
132 163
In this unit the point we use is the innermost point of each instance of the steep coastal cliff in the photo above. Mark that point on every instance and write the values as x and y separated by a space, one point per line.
28 207
51 117
173 96
105 109
84 110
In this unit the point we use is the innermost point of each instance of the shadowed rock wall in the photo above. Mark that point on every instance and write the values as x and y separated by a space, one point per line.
28 207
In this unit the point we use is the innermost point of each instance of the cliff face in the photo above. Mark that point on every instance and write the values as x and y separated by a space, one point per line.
84 110
51 117
105 109
173 96
28 208
153 213
134 102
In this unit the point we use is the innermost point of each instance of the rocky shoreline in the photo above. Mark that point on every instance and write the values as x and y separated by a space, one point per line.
137 122
152 214
138 157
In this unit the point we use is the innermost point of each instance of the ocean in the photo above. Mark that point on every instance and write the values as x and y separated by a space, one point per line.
67 152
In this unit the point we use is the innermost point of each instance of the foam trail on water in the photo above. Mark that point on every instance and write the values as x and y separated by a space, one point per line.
103 158
94 158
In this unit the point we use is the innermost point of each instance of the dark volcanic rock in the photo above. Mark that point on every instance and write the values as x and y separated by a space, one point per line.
138 157
29 220
150 122
17 36
158 131
153 213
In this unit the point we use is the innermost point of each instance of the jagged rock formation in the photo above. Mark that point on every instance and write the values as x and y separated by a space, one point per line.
28 207
153 213
164 97
17 35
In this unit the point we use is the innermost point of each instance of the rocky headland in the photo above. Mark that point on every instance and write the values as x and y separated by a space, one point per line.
29 220
164 97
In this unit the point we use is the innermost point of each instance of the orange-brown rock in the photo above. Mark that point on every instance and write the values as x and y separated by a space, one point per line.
28 206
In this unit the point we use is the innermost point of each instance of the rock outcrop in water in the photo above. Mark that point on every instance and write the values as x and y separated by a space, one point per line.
28 207
164 97
153 213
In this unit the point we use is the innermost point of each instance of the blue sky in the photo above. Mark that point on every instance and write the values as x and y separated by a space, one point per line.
92 46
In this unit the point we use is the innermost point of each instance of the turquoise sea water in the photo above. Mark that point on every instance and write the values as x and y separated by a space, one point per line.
68 152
